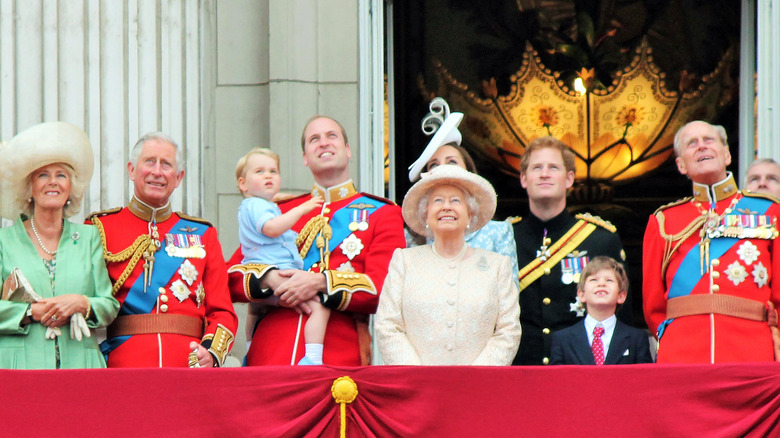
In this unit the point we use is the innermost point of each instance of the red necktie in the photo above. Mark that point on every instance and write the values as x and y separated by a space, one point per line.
598 346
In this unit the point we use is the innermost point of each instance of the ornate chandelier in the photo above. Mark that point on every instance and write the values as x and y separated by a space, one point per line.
617 134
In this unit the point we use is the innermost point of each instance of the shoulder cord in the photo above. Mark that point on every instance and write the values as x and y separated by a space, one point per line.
132 252
679 237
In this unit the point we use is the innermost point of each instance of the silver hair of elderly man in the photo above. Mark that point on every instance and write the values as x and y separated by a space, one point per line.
678 136
422 209
136 150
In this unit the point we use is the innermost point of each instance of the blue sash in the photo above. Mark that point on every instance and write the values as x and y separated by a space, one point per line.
339 223
689 272
165 267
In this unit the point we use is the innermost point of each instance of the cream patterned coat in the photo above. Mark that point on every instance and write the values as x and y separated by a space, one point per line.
434 311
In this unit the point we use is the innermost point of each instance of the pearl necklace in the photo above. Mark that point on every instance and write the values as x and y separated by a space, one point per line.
38 236
457 257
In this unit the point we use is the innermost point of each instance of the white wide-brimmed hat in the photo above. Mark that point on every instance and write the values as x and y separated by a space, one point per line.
445 125
39 146
448 174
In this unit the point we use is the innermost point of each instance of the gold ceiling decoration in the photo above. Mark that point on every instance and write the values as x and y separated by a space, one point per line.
618 133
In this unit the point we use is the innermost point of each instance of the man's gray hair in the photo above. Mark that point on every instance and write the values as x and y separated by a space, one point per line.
136 150
678 146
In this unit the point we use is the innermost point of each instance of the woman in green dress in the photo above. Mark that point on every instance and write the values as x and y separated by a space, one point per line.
47 167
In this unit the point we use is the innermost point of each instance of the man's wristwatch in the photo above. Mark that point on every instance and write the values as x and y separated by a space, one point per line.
29 312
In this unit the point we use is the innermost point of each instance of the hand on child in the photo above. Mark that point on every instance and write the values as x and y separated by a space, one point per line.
314 202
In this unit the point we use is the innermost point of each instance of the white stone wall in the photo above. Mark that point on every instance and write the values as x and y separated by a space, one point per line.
115 69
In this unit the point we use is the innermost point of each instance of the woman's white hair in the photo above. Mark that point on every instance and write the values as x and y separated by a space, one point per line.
471 204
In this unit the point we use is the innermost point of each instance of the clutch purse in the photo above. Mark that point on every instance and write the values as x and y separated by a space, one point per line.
16 288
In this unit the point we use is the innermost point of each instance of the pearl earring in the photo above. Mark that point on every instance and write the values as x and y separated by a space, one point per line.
67 202
29 200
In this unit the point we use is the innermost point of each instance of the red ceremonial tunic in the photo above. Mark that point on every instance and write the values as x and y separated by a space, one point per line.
737 266
357 269
195 285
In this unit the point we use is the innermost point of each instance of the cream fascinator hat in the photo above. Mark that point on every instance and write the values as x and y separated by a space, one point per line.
41 145
448 174
444 127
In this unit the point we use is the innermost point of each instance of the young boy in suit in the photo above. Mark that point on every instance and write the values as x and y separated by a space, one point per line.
600 339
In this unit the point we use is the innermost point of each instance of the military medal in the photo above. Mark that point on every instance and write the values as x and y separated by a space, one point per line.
577 307
351 246
200 295
578 264
180 290
184 246
188 272
363 225
760 274
567 272
544 253
353 226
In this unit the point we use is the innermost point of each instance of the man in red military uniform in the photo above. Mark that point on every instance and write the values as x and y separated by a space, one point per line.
167 269
711 261
346 247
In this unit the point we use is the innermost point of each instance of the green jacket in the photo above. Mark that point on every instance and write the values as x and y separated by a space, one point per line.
80 269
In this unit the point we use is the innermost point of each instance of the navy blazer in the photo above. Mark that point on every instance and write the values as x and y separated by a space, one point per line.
629 345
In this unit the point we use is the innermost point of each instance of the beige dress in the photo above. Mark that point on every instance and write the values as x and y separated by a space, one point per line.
433 311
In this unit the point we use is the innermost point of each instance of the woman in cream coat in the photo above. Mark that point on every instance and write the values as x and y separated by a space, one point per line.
48 167
448 303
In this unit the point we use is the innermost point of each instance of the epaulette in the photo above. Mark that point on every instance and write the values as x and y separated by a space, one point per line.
104 212
513 219
194 219
379 198
760 195
673 204
598 221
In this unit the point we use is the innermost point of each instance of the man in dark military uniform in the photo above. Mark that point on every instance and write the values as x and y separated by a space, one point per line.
553 247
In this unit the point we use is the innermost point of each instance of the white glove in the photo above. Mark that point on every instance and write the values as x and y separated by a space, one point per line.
78 327
53 332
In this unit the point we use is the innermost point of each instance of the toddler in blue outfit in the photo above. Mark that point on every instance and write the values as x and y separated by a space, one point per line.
265 235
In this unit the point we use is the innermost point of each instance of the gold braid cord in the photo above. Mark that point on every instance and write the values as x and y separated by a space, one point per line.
309 233
134 252
680 237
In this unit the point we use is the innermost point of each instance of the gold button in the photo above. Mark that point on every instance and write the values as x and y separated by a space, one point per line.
314 266
715 288
546 331
546 360
546 271
326 210
715 274
715 262
163 298
161 290
546 301
164 308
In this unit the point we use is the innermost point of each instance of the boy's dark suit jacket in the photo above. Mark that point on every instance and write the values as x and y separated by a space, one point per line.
629 345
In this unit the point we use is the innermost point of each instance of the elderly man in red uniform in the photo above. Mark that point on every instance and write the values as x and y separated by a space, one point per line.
346 247
711 261
167 269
